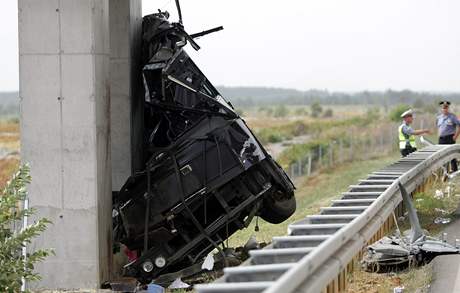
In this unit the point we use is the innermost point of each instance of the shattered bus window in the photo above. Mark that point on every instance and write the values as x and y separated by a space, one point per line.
206 174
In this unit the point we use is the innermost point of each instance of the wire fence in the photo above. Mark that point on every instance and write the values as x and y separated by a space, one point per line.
351 146
354 145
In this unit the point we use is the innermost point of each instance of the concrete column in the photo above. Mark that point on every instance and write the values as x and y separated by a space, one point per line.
126 100
65 135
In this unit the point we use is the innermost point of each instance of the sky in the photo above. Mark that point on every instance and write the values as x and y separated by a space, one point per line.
340 45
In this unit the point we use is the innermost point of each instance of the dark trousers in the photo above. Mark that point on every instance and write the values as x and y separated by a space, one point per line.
449 139
407 151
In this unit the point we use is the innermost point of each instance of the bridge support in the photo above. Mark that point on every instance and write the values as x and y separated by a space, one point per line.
68 96
125 87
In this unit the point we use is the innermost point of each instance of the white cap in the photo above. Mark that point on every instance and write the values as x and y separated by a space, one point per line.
407 113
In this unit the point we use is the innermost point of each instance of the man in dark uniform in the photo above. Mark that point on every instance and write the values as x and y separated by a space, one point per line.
448 129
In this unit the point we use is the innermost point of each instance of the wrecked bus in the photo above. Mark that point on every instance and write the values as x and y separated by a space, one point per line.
206 175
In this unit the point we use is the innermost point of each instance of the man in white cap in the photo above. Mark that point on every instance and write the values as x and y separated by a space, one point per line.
407 143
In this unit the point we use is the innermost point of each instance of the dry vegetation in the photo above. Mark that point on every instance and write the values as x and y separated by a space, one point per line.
7 168
9 142
414 280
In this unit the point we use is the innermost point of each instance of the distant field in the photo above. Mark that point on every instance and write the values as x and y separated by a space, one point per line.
260 117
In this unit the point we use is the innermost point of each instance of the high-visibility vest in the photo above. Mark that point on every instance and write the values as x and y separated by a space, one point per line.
405 139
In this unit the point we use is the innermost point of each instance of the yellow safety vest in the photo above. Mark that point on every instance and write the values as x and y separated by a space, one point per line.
405 139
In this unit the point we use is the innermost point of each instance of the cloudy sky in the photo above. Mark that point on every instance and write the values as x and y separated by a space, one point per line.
346 45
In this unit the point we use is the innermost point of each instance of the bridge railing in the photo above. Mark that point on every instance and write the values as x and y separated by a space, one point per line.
301 263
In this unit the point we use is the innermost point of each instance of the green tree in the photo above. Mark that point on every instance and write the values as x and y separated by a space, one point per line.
301 111
395 114
328 113
281 111
13 265
316 109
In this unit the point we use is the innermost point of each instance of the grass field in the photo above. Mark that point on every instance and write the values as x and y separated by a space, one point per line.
313 193
257 116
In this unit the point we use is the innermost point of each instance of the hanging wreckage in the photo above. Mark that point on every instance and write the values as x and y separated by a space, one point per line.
206 175
402 251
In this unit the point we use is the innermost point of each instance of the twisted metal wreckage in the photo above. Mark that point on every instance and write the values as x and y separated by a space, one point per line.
206 176
414 247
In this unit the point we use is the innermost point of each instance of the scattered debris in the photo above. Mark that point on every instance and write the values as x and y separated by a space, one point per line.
444 212
438 194
251 244
154 288
208 263
412 248
178 284
398 290
440 220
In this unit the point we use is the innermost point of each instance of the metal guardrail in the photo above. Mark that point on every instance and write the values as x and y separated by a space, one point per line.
319 247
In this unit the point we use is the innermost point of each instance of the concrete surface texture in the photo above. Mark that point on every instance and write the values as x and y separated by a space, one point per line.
446 268
65 62
125 29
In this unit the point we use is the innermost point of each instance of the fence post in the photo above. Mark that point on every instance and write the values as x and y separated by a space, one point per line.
331 154
351 146
300 166
340 158
309 165
320 156
292 171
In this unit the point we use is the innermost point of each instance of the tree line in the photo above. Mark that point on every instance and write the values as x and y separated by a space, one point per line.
262 96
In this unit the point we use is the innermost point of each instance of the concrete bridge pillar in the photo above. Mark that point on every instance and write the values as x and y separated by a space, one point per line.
125 85
67 87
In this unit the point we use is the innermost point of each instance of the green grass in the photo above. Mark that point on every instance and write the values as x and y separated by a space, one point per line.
313 193
300 127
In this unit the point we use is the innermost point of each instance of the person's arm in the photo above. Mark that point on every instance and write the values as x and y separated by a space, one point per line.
423 131
407 130
457 133
457 123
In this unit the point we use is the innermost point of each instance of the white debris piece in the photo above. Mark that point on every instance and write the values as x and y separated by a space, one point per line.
208 263
440 220
438 193
178 284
